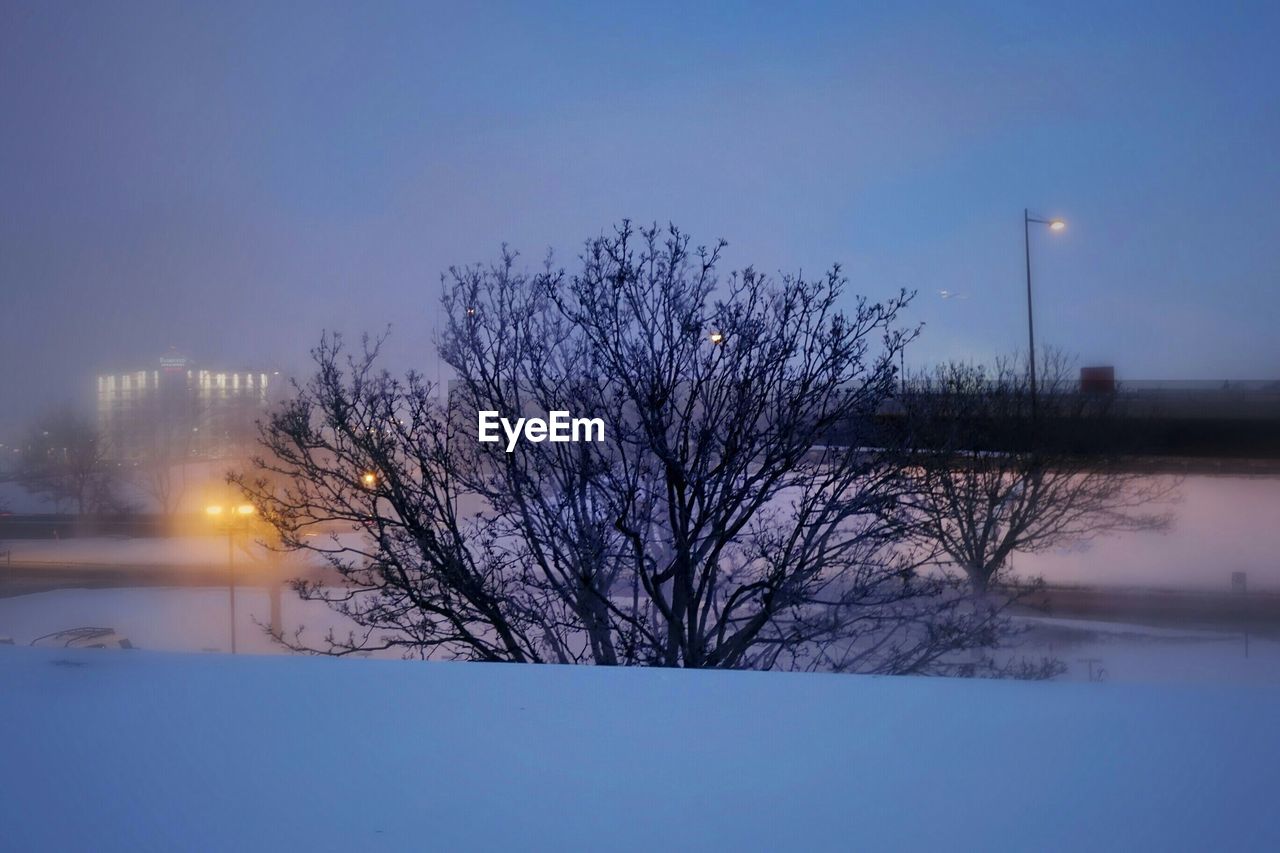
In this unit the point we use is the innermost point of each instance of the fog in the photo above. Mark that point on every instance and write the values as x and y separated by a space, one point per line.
230 179
1220 525
841 550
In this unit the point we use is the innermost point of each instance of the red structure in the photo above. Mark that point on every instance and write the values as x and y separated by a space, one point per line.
1098 380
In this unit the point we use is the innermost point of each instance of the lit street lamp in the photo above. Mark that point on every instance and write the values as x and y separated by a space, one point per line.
234 519
1054 225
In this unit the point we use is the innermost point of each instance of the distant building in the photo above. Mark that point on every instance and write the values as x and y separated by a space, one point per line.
1098 380
177 410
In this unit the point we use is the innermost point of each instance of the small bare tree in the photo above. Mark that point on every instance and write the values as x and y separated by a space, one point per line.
992 475
160 474
64 459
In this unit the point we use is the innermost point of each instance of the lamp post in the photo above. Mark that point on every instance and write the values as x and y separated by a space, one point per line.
232 518
1054 225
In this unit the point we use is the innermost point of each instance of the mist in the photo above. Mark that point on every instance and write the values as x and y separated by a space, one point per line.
231 180
874 407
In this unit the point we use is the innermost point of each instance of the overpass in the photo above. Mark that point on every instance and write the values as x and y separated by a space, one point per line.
1209 427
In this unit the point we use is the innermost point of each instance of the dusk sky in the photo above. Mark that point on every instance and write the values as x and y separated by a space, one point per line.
232 178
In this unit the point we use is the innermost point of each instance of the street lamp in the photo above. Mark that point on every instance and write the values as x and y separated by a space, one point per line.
1054 225
233 518
369 479
717 338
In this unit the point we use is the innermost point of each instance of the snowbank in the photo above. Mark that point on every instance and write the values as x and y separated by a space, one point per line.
143 750
186 619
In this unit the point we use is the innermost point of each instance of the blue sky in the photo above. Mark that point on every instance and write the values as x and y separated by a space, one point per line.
232 178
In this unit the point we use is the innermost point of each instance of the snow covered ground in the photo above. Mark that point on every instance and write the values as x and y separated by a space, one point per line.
165 619
1120 652
115 750
193 620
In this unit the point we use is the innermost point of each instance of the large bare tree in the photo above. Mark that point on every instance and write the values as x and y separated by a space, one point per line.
736 513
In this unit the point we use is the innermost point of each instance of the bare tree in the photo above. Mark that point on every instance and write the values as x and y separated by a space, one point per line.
992 476
730 519
64 460
167 447
357 468
735 514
